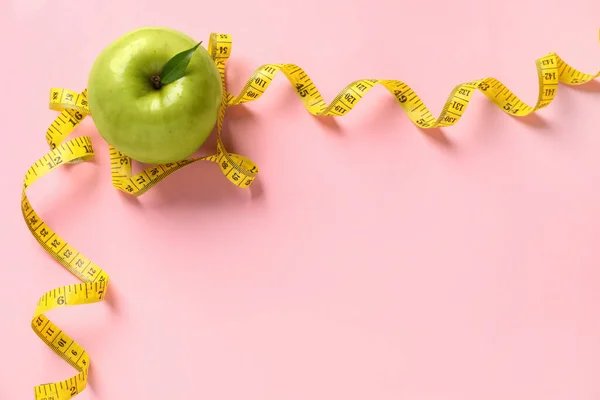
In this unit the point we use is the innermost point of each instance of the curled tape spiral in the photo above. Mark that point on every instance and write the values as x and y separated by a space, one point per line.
239 170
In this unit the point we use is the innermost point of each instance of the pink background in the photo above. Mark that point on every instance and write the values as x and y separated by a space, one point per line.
459 264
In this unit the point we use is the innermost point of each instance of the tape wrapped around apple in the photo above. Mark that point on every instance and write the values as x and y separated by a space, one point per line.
154 94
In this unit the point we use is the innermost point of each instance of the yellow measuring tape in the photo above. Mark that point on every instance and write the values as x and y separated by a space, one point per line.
238 169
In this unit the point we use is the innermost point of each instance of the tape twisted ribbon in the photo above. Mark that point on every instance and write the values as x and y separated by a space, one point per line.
238 169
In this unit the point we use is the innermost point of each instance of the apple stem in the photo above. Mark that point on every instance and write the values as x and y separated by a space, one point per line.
156 82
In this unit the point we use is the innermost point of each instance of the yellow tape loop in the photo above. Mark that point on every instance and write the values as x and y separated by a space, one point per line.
239 170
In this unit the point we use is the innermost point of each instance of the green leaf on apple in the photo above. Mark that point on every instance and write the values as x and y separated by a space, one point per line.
175 67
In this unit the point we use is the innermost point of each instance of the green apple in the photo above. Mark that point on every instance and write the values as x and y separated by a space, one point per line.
147 121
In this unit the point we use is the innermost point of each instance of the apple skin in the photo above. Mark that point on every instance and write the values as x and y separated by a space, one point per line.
153 126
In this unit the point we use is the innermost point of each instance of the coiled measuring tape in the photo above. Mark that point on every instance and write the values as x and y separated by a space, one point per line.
239 170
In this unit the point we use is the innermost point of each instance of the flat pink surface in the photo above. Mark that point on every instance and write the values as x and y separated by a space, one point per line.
461 264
